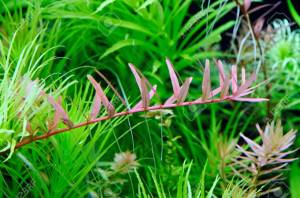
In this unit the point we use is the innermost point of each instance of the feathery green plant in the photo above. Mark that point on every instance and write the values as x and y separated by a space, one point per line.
64 165
20 92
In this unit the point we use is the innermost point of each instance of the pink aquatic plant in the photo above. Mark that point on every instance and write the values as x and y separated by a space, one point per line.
229 90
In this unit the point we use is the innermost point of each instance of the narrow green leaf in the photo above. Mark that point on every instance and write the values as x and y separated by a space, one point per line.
210 193
295 180
145 4
159 188
119 45
12 148
103 5
141 185
213 37
294 11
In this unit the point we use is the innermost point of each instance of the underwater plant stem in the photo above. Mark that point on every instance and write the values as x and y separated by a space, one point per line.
255 179
123 113
263 66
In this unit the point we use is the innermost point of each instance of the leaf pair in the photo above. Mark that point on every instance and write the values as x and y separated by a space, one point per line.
59 114
238 92
100 98
142 84
179 92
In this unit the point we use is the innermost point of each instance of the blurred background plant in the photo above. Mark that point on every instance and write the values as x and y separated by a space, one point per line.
140 32
262 164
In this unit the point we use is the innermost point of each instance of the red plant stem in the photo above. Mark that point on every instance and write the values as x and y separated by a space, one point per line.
132 111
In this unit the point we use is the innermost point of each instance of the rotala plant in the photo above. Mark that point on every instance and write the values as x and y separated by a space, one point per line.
261 165
148 129
229 90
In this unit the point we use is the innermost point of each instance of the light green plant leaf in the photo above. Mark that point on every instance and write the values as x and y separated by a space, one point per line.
121 44
293 11
213 37
145 4
103 5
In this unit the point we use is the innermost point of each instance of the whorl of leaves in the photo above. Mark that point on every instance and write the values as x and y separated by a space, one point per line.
262 163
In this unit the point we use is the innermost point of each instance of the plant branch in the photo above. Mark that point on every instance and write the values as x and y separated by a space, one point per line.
255 36
123 113
180 92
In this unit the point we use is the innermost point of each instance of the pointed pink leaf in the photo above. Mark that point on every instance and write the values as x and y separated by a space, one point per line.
136 76
215 92
59 112
29 128
234 82
54 122
244 94
225 90
111 87
184 90
286 145
206 84
284 154
258 27
246 84
224 83
271 170
260 131
247 153
144 93
96 106
174 79
65 118
285 160
222 75
57 106
250 99
288 139
254 146
109 107
141 84
170 100
247 4
243 75
150 95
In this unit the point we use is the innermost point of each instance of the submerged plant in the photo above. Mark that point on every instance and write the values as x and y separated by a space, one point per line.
22 103
118 32
113 177
261 165
282 45
124 162
180 92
